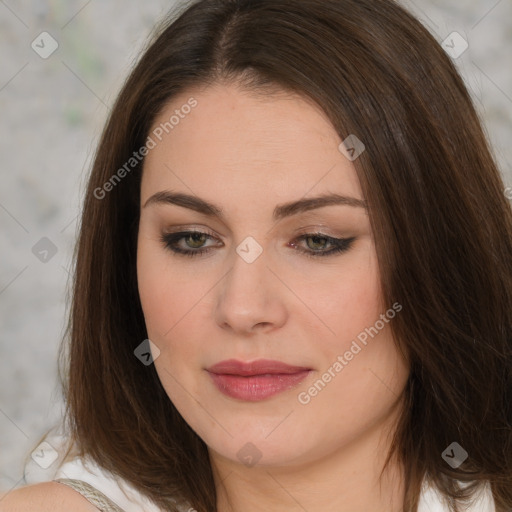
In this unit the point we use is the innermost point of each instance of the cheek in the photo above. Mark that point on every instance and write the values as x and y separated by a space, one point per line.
172 301
169 301
369 372
151 288
159 293
349 301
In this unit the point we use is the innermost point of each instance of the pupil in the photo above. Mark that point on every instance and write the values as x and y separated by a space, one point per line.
316 239
197 238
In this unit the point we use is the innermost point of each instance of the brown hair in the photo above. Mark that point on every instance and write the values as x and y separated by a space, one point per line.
441 222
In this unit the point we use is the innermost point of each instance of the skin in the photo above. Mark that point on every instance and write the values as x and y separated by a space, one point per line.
45 497
247 153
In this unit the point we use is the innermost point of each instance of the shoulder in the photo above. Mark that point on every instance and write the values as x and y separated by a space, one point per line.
45 497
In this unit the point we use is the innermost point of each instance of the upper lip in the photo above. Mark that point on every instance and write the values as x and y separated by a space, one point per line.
260 367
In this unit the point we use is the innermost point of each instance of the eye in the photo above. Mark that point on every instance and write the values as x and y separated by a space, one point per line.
193 240
194 243
320 241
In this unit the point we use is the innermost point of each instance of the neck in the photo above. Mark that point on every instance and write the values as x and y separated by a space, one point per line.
345 480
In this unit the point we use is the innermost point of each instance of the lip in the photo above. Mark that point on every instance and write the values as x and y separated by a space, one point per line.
256 380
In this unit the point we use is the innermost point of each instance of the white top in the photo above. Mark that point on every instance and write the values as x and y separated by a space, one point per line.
432 501
129 499
117 490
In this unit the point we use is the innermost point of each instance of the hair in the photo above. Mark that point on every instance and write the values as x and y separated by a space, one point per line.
442 229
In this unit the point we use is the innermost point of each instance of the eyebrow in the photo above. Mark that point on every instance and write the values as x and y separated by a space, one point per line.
280 211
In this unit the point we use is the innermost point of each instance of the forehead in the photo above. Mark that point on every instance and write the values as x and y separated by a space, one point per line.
259 147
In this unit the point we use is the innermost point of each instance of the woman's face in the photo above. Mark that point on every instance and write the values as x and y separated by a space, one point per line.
270 286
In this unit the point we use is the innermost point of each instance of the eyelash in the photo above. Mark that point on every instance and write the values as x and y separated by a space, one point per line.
341 245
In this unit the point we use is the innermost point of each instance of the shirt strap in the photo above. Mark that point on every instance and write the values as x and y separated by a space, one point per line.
93 495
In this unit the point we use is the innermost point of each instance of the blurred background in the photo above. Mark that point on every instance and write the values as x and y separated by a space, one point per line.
63 63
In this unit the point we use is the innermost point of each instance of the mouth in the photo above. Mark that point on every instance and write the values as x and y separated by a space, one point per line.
257 380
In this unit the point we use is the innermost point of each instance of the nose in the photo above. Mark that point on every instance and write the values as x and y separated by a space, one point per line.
250 298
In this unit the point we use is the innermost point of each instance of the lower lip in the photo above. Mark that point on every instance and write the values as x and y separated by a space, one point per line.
258 387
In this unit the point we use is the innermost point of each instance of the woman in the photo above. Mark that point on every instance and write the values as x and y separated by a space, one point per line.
293 287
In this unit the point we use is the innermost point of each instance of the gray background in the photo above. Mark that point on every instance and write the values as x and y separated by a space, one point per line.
52 112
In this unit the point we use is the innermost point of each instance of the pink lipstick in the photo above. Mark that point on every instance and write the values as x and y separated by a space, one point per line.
256 380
